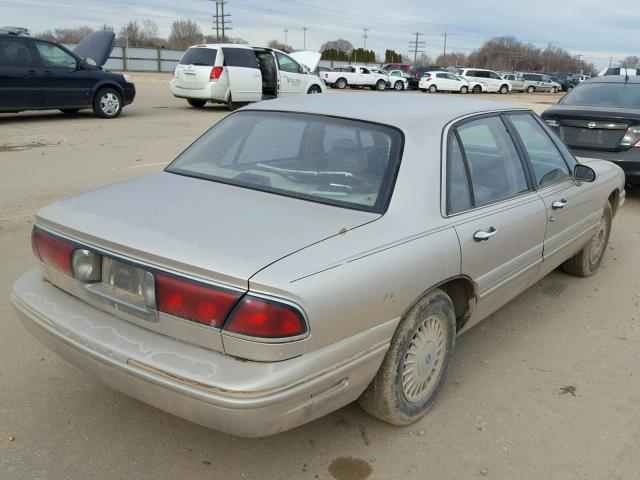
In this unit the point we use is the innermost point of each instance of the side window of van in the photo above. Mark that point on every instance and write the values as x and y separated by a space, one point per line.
240 57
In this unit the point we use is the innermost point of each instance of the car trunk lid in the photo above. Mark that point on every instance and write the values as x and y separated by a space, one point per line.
206 229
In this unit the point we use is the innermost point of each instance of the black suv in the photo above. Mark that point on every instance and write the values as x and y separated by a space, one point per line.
41 75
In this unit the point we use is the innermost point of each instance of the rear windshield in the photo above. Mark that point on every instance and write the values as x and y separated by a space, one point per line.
329 160
199 56
620 95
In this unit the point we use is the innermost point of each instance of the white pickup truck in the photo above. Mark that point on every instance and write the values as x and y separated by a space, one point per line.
351 76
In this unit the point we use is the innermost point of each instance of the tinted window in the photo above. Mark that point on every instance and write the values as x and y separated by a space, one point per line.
365 71
442 75
287 64
15 53
621 95
55 57
459 196
544 78
452 77
337 161
612 71
240 57
494 75
548 164
494 165
205 57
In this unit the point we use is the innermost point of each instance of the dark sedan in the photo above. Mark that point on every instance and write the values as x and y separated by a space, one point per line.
600 118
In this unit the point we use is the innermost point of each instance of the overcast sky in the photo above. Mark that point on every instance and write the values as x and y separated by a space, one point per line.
594 28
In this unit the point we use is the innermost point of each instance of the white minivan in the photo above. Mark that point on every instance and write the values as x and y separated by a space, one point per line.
491 81
235 74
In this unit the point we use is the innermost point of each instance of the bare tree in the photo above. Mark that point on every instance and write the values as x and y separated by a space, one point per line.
225 39
632 61
279 46
453 59
184 33
66 35
340 44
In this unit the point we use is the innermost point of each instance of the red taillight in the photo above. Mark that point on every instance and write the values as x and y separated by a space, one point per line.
258 317
194 301
53 251
215 73
428 79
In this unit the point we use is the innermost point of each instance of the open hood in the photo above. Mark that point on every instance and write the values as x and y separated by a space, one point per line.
308 59
96 47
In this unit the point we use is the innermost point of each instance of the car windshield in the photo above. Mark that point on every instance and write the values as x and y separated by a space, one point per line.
341 162
619 95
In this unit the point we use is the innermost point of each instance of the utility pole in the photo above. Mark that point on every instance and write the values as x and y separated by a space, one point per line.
364 36
416 46
444 50
221 20
304 38
610 60
285 37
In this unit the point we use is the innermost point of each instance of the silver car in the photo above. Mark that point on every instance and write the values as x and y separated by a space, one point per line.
312 251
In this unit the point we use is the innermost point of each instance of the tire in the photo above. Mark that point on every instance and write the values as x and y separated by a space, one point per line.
433 89
464 90
586 261
398 86
196 103
107 103
531 89
426 335
231 105
341 84
381 85
554 90
70 111
313 89
504 89
476 89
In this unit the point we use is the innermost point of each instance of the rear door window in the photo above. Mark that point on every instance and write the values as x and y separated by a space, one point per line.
205 57
494 165
240 57
15 52
548 164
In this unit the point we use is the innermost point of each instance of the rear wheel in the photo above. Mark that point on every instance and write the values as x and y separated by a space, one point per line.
107 103
231 105
464 90
398 85
586 261
313 89
381 85
530 89
340 83
195 103
415 366
476 89
433 89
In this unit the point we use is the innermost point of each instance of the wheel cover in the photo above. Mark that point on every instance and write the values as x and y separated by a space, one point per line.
423 360
398 86
109 103
598 241
314 90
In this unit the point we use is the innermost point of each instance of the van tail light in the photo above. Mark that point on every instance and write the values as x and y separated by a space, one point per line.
259 317
428 78
53 251
216 72
205 304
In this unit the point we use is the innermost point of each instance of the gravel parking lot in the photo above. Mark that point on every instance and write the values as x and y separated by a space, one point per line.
547 387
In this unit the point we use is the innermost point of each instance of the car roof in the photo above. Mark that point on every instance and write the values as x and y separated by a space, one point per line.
614 79
406 112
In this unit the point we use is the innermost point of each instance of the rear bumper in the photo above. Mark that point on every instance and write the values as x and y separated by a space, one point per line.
213 91
242 398
628 160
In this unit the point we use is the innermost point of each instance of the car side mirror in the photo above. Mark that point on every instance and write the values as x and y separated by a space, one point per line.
584 173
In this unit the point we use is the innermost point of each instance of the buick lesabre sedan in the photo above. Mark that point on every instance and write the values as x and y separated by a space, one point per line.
308 252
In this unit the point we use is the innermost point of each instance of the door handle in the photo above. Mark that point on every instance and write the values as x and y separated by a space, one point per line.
481 235
559 204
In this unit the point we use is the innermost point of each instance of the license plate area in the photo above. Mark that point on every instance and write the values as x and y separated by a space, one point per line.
123 288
